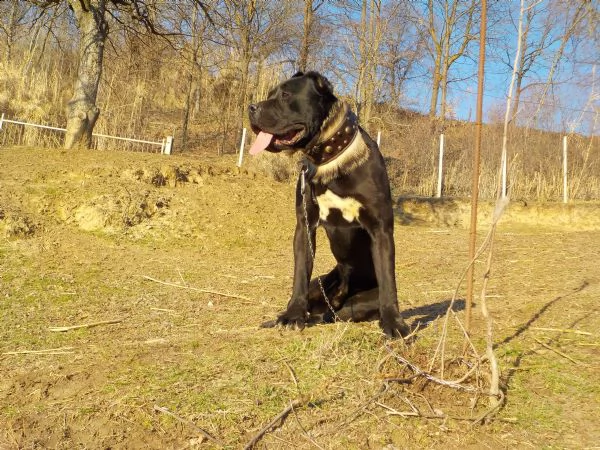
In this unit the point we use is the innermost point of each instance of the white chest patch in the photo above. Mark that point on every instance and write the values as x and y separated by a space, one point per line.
348 206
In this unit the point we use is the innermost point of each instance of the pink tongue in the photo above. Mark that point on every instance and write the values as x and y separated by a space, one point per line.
262 141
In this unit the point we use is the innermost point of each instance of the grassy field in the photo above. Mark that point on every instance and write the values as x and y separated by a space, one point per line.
177 260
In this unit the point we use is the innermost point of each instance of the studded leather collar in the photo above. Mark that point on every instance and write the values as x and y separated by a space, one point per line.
340 140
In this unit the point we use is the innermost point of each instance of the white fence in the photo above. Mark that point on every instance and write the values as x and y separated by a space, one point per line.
15 132
503 168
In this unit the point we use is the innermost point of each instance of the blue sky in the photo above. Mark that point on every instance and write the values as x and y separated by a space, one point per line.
566 105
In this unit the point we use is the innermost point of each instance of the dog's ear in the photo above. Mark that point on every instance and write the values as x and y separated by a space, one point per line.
321 83
298 74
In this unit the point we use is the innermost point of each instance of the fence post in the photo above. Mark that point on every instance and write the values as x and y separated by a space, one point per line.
242 144
440 167
168 145
565 184
378 138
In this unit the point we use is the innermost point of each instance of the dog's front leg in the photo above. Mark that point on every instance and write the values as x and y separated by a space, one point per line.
384 261
296 313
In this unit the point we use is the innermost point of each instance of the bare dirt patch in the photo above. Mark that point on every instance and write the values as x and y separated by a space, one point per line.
81 232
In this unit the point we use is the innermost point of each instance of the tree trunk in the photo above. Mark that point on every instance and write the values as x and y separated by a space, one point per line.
518 90
435 87
443 99
82 111
362 65
247 21
10 32
306 36
372 60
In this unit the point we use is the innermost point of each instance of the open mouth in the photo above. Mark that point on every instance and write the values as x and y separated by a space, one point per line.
275 142
289 138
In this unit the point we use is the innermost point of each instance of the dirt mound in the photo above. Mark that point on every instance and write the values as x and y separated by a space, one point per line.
450 212
17 226
142 194
111 212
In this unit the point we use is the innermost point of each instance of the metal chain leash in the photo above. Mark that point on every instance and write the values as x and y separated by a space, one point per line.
310 245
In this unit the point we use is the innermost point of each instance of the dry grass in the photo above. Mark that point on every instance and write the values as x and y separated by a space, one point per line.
140 98
200 354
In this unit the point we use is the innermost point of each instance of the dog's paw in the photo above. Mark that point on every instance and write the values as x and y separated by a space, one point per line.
286 321
294 322
394 326
269 324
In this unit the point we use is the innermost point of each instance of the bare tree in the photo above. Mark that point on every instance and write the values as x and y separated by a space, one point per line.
308 38
509 97
11 14
193 54
450 26
369 48
91 20
530 51
82 111
574 15
401 54
251 31
362 40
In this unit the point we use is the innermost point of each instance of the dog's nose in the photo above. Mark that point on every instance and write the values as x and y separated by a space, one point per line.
253 108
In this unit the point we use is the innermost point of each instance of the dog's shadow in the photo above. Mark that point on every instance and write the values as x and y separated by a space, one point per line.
364 307
422 316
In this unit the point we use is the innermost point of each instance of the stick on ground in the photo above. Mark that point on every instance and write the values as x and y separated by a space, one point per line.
191 288
192 425
558 352
86 325
49 351
281 416
563 330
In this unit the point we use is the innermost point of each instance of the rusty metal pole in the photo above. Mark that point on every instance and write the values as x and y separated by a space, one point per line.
476 164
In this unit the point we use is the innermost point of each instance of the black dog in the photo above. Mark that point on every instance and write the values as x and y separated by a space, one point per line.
343 187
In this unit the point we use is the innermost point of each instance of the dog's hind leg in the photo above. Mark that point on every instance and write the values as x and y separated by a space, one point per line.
360 307
330 284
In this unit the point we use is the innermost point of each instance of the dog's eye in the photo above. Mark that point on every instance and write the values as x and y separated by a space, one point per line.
285 95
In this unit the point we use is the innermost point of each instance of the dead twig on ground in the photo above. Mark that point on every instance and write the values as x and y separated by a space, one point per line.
304 432
292 374
562 330
164 310
434 415
558 352
85 325
418 371
192 425
280 417
50 351
195 289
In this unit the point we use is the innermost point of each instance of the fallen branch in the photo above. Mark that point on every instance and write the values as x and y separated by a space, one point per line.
420 372
189 423
305 433
50 351
496 403
563 330
558 352
86 325
164 310
191 288
416 413
281 416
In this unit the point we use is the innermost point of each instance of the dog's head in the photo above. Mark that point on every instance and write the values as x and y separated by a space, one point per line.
292 115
